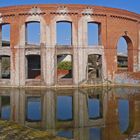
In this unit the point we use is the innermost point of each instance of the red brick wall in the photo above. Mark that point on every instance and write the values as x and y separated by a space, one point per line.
114 24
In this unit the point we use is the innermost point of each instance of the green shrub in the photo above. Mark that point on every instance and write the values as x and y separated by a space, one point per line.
122 65
65 65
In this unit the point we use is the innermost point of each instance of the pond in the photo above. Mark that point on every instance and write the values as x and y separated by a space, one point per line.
79 114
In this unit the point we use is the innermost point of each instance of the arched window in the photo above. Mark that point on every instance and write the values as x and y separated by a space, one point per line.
32 33
64 33
93 34
122 53
5 35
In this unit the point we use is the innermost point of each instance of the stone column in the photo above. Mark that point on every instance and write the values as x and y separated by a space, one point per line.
104 69
43 63
17 53
139 49
18 66
21 55
50 55
75 51
82 69
14 56
0 36
82 49
50 66
0 46
0 67
43 50
75 66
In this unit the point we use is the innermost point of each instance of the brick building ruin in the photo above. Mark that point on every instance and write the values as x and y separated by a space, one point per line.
27 63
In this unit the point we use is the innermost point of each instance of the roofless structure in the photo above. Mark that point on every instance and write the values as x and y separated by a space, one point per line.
85 58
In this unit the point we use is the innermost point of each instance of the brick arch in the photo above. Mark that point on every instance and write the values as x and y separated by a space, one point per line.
130 51
128 39
34 19
62 18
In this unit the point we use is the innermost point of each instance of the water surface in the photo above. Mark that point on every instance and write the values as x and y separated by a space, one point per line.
79 114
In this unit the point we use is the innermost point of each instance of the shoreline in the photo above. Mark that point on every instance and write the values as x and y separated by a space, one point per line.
72 86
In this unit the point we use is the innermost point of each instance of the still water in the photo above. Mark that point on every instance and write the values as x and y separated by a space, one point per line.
79 114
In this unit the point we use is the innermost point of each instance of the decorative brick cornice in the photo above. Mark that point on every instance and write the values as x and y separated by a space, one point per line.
88 11
7 15
67 9
124 18
31 14
63 10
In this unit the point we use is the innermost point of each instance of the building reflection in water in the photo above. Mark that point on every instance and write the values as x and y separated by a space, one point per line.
95 133
79 114
33 109
65 133
123 110
64 108
5 107
94 107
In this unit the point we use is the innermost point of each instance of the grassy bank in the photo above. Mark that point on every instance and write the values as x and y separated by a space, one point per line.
13 131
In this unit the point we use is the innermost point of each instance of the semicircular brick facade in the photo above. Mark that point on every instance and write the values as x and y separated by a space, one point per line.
114 23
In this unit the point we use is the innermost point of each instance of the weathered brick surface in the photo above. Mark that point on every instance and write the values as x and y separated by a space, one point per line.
115 23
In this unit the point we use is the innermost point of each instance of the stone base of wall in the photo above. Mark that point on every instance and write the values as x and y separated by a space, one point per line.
127 78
